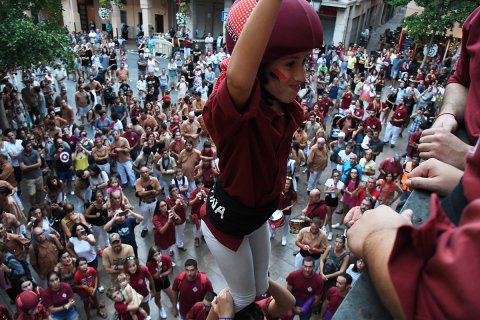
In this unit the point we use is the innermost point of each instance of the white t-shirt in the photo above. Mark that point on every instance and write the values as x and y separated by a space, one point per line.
345 157
330 184
83 249
14 148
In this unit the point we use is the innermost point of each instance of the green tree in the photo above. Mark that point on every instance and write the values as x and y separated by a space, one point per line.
26 39
437 18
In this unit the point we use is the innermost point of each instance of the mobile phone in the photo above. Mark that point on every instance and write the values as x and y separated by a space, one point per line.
123 213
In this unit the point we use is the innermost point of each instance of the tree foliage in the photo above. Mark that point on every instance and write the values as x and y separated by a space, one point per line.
25 39
438 16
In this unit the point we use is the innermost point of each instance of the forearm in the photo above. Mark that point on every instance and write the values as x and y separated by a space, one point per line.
377 249
455 100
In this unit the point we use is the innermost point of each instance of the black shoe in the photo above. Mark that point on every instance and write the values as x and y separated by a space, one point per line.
385 142
392 146
124 186
144 233
182 249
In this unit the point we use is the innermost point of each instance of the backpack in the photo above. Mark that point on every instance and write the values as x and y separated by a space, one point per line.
203 280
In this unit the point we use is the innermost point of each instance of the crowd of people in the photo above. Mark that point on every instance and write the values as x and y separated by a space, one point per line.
71 161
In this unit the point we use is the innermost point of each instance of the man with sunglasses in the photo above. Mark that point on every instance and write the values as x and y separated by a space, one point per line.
200 309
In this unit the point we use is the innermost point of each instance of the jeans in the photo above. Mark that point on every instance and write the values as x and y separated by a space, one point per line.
313 180
147 210
125 169
245 270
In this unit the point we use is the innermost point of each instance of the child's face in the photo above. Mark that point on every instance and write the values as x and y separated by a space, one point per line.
285 75
157 256
83 266
132 267
123 282
117 296
27 286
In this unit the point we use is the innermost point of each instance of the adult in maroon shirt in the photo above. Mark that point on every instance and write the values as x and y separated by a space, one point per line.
134 141
372 122
307 288
429 290
288 199
164 225
391 165
394 126
347 98
197 199
461 103
251 116
191 289
324 106
58 298
316 207
70 139
200 309
335 296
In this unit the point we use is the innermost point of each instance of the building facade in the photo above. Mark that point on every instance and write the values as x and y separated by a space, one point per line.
343 20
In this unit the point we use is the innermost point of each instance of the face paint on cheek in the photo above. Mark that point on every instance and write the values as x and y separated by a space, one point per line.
279 75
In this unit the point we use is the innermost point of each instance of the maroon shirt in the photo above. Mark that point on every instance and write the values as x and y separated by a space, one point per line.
466 73
57 298
197 312
138 281
373 123
430 290
286 199
399 114
389 165
132 138
190 292
302 287
179 210
325 105
72 141
164 241
316 209
359 113
166 264
253 145
414 139
124 314
346 101
334 299
252 166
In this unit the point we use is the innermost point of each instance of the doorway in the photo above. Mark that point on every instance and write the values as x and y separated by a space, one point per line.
159 23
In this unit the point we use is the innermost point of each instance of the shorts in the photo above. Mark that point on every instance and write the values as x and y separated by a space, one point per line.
162 283
331 202
70 314
147 298
34 185
64 175
83 110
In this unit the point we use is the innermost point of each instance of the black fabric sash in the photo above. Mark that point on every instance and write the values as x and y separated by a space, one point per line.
231 217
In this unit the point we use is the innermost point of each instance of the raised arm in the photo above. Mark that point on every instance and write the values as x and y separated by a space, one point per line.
249 49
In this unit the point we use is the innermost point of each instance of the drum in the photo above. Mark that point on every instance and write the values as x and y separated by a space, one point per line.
296 225
277 220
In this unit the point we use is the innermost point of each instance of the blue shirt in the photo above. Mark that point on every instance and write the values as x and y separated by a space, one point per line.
126 230
346 170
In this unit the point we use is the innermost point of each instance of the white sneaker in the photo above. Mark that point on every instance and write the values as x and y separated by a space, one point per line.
284 241
336 226
162 313
101 289
173 264
148 318
330 236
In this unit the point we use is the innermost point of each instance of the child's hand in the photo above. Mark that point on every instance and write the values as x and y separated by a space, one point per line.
223 304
